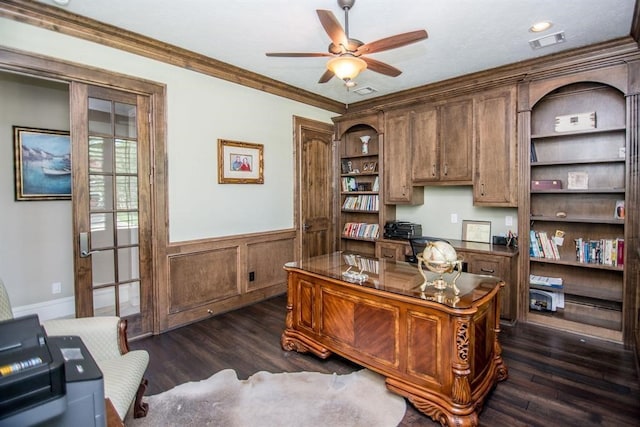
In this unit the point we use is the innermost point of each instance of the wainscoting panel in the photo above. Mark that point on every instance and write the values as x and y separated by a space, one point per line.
265 262
202 277
212 276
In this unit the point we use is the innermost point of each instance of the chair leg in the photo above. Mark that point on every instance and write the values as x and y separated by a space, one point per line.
141 408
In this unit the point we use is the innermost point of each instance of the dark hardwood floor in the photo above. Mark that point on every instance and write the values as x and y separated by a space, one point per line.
555 378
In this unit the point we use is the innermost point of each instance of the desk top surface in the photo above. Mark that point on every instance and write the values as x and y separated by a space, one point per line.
398 277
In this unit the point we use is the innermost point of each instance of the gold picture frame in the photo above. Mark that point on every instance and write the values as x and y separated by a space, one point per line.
42 164
240 162
476 231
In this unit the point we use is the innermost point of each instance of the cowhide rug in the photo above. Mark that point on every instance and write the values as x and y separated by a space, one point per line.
286 399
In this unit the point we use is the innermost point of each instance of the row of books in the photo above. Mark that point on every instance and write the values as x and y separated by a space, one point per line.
364 264
363 202
603 251
360 230
349 183
542 246
549 282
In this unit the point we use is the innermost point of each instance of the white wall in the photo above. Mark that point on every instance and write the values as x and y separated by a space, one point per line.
200 109
440 202
35 236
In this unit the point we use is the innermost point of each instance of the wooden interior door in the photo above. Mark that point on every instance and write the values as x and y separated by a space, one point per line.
112 204
316 191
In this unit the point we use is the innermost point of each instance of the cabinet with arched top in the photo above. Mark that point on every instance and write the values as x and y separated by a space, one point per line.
362 211
578 214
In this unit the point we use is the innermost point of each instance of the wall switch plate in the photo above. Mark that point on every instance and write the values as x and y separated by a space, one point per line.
454 218
56 288
508 220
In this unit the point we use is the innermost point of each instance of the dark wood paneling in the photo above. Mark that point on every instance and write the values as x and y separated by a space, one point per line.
265 260
211 276
202 278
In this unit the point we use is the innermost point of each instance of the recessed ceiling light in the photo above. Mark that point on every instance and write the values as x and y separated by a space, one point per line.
540 26
61 2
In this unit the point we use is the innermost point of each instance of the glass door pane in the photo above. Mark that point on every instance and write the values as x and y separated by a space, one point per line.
113 210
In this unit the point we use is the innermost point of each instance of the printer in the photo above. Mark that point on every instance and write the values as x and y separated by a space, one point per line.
50 381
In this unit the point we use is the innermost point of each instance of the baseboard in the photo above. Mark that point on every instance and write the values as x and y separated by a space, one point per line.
53 309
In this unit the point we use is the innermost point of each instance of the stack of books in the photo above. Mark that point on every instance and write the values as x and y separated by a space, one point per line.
542 246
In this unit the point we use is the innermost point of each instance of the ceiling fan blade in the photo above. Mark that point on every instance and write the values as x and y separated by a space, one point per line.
298 54
328 75
332 27
381 67
392 42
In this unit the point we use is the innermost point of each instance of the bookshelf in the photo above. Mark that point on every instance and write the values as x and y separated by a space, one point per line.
576 229
361 207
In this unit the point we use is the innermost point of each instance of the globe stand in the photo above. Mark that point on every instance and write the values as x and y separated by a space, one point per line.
442 268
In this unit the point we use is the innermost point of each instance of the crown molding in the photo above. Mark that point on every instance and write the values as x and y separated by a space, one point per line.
64 22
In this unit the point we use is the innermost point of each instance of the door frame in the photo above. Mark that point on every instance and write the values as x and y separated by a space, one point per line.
300 123
13 60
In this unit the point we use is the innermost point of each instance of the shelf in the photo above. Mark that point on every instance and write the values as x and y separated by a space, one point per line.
578 162
557 320
358 156
344 175
578 220
347 193
359 211
576 264
554 135
587 191
364 239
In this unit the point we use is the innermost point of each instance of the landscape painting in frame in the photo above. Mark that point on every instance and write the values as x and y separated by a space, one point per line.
42 161
240 162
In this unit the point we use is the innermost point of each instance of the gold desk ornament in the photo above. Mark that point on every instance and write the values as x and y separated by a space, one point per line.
441 258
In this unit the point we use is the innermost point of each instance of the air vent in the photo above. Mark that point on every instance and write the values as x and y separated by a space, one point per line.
367 90
548 40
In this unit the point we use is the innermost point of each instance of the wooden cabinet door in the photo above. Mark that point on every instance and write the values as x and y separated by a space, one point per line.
501 267
496 175
424 144
456 141
397 161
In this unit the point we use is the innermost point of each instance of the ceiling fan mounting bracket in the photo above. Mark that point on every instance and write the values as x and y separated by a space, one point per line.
352 47
346 4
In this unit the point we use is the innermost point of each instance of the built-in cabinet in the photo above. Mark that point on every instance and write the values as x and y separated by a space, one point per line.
576 228
400 132
361 211
465 141
496 175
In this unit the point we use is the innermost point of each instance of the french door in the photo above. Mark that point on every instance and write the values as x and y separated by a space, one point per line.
112 209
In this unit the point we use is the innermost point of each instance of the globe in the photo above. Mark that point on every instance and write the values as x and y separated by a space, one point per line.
439 257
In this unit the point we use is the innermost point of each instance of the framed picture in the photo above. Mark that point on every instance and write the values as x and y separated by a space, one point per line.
240 162
42 164
476 231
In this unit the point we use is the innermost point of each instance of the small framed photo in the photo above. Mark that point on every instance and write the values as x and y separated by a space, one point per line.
577 180
240 162
42 164
476 231
619 211
372 166
347 166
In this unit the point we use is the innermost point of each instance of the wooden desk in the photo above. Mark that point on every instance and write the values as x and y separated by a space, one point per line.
439 351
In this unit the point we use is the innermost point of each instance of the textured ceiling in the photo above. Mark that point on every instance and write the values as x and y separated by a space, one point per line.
465 36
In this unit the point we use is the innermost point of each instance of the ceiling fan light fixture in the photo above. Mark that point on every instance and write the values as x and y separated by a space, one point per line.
346 67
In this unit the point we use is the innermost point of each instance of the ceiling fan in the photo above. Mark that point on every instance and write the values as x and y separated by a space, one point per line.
347 54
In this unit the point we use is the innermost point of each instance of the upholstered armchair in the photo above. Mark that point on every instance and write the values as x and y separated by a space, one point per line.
106 340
